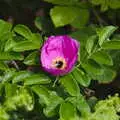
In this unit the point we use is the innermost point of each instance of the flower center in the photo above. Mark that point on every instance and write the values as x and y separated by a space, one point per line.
59 63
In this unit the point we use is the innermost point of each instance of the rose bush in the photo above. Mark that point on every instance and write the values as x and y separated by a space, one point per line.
81 46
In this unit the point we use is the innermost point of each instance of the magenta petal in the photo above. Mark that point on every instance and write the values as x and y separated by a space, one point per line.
59 54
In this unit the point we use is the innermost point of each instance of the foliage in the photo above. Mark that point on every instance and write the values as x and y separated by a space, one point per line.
105 4
106 109
26 89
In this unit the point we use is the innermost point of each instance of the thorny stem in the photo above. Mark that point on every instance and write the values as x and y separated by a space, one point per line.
57 78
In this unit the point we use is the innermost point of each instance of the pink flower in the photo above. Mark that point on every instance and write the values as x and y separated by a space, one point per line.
59 54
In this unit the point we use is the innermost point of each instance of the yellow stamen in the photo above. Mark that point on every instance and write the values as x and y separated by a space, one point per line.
59 63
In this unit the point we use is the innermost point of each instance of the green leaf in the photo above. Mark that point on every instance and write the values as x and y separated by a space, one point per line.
23 31
70 85
8 75
81 104
92 102
92 68
43 94
63 15
3 114
96 2
82 19
104 33
55 100
20 76
48 98
37 79
11 56
81 77
10 43
82 35
32 58
90 43
25 45
45 25
36 39
1 89
114 4
4 38
102 57
116 58
111 45
107 76
68 112
5 27
10 89
35 42
3 66
104 4
38 23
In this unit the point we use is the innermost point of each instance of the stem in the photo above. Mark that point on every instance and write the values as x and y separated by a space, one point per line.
57 78
43 37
